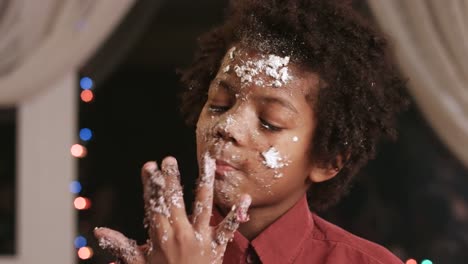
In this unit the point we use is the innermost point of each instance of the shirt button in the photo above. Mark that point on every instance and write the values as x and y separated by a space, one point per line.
250 259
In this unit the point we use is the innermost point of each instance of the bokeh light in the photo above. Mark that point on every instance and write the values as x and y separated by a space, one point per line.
80 241
86 134
411 261
86 83
85 253
75 187
82 203
78 151
87 96
426 261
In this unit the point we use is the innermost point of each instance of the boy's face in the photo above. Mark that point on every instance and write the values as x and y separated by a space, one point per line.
258 124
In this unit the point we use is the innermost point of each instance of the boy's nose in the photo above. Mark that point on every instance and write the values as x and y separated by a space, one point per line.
232 129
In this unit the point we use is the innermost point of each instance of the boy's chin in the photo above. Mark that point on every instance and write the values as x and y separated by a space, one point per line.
223 201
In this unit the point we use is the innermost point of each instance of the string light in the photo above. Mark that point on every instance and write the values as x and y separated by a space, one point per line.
426 261
86 134
80 242
85 253
82 203
78 151
75 187
411 261
86 83
87 96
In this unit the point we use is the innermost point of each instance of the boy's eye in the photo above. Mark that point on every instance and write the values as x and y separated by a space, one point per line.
269 126
218 108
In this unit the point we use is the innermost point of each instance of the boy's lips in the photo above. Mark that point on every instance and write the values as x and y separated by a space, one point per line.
222 167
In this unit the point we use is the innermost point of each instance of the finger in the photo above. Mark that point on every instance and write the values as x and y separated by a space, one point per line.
204 195
238 214
156 210
119 245
173 193
146 171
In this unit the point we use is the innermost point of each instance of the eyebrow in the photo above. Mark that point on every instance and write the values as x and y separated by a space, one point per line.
267 99
226 85
276 100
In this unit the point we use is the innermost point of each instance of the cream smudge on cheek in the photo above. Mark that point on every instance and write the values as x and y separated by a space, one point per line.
273 159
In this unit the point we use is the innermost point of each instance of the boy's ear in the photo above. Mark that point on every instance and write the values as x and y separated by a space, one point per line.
321 174
318 174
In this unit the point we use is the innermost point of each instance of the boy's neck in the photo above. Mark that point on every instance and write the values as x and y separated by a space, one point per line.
262 217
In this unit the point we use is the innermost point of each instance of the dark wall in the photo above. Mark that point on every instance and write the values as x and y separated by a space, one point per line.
7 181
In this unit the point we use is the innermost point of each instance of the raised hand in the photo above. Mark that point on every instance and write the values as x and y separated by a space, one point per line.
173 236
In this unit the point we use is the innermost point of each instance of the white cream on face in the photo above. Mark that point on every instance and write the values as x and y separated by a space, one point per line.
273 159
248 74
273 66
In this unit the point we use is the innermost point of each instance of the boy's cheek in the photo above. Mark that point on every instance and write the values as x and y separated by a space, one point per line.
204 126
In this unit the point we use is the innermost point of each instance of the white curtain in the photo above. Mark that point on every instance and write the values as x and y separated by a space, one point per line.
43 40
42 44
430 38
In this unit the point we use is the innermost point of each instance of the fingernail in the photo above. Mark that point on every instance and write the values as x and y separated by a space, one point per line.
241 213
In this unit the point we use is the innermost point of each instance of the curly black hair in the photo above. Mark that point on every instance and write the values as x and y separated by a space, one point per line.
360 94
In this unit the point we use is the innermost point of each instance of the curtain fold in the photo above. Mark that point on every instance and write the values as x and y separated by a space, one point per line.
430 38
42 40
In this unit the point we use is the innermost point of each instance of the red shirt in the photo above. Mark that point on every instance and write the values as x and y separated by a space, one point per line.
300 236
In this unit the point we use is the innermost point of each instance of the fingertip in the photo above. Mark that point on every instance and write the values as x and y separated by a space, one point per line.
99 231
169 161
244 203
149 168
209 165
245 200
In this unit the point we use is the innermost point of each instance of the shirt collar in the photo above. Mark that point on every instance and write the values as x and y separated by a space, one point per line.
281 241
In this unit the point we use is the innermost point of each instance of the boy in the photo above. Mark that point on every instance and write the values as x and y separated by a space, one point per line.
289 97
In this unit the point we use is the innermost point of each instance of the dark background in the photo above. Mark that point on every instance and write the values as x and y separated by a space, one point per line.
411 199
7 180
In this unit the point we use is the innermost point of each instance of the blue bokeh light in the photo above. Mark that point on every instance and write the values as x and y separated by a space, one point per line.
86 83
426 261
86 134
75 187
80 242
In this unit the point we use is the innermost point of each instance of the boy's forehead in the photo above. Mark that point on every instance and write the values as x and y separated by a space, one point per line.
243 68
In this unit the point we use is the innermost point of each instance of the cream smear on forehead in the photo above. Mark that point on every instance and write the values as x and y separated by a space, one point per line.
271 65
